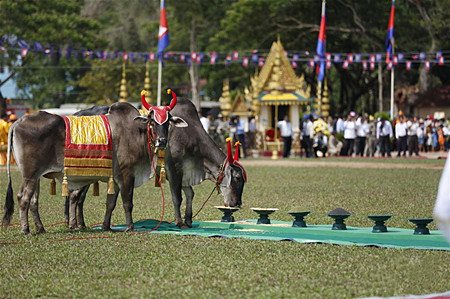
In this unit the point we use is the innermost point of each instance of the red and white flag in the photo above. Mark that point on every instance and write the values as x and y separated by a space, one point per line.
261 61
311 63
245 61
125 56
441 60
235 55
350 58
24 52
345 64
364 64
427 65
408 65
151 56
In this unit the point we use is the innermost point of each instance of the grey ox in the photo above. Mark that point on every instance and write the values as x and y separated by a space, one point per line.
191 157
38 141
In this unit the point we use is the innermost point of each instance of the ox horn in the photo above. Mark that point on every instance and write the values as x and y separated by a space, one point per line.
144 102
230 154
236 151
174 99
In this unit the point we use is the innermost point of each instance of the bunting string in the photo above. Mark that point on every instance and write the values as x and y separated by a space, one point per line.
246 58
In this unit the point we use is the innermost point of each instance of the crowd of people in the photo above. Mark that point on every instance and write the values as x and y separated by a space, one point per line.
348 135
354 135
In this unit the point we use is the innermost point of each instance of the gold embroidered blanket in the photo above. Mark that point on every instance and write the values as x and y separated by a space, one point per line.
88 148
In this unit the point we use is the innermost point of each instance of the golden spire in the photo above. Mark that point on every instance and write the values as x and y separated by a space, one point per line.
148 95
318 101
123 86
325 101
225 99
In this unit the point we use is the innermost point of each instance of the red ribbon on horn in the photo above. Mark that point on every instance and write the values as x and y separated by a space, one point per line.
236 151
144 102
174 99
230 154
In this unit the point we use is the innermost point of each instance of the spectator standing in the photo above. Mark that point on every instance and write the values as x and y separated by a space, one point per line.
204 121
413 140
362 129
240 133
251 132
401 135
349 135
371 138
421 136
4 128
307 135
384 135
286 133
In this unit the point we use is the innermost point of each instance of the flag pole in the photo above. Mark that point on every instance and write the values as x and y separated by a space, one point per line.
158 101
392 93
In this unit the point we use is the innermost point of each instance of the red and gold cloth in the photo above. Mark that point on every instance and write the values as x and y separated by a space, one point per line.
88 146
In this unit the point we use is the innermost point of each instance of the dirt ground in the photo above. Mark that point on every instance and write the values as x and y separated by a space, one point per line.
324 163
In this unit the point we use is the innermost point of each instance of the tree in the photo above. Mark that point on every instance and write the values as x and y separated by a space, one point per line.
53 23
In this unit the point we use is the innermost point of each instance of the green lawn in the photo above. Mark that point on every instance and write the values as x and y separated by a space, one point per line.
142 265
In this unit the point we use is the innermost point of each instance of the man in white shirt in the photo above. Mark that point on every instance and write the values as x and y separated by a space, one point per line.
401 131
362 129
286 133
349 135
204 121
413 141
384 135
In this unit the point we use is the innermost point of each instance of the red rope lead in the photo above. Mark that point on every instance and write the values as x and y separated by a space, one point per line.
157 178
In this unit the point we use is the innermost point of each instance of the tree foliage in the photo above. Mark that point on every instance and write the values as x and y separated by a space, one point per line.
218 25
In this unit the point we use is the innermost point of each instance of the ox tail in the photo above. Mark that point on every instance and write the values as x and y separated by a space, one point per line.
9 201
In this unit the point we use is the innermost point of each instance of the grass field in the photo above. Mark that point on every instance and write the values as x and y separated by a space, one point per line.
166 266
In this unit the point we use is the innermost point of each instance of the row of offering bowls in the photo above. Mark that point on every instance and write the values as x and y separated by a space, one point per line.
339 215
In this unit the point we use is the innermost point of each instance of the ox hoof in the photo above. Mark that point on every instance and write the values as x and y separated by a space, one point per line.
188 224
26 232
130 229
41 230
83 227
106 228
73 227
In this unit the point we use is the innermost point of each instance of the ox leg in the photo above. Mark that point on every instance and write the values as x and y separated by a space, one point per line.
175 189
24 198
66 209
126 191
73 199
80 205
34 206
111 200
189 193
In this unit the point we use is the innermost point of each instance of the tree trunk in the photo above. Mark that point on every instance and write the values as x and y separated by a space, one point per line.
380 88
424 78
194 68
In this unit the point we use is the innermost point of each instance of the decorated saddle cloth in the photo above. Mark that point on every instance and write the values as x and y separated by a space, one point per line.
88 148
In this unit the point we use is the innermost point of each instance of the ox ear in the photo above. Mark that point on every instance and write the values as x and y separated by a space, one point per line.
178 122
142 118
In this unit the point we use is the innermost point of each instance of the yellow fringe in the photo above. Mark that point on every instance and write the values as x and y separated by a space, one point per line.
73 171
96 189
65 187
111 186
92 162
162 175
52 187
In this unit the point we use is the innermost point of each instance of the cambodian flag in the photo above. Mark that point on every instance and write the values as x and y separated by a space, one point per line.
163 37
320 50
390 34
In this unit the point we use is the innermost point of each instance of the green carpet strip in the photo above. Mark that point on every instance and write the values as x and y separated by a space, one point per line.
283 231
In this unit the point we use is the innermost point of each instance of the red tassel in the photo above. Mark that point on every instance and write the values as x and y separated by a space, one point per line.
230 154
236 151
